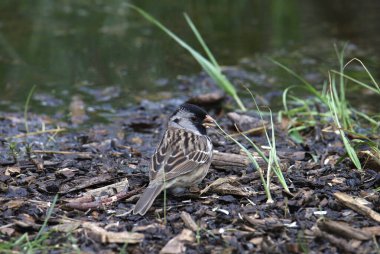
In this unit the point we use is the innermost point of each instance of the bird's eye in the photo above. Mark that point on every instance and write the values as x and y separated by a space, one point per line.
194 118
176 120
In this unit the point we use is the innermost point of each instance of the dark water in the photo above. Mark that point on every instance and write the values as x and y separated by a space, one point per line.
110 56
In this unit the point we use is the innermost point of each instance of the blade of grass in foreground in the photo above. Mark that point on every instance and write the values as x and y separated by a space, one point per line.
254 162
273 159
334 113
212 68
308 86
36 245
26 107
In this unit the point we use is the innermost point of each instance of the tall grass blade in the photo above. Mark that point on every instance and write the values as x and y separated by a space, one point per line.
48 215
366 70
211 68
366 117
254 162
26 107
201 41
273 159
376 89
334 113
308 86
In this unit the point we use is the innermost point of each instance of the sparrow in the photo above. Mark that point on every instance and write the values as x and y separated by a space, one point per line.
183 156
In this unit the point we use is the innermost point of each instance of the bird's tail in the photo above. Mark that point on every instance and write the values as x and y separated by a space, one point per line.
147 198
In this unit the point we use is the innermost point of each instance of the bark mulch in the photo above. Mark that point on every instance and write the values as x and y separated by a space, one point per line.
99 171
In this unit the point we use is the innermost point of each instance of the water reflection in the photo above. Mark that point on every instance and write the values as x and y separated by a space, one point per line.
74 47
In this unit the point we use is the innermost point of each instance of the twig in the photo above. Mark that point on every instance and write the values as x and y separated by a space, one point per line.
83 155
343 229
99 204
256 130
350 202
338 242
36 133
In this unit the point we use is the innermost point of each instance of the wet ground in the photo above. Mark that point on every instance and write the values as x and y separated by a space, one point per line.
228 214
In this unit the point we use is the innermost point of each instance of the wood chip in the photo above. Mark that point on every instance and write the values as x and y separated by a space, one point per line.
14 203
12 171
352 203
246 122
80 155
375 230
177 244
340 243
105 236
267 224
227 186
207 98
343 229
150 227
102 202
66 227
229 161
238 162
83 182
111 189
189 222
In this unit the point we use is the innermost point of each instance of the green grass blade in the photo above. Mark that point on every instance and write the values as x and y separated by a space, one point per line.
334 113
307 84
254 162
48 214
26 107
340 56
201 41
209 68
366 117
273 159
273 151
376 89
366 70
285 96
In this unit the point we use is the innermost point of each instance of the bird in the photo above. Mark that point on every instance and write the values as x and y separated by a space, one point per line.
183 156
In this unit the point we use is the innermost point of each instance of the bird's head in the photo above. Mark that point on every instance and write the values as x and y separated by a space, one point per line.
192 118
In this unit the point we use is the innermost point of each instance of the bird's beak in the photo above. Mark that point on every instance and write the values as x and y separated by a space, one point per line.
208 122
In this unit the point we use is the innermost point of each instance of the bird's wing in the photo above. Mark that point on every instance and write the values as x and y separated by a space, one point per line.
179 153
160 156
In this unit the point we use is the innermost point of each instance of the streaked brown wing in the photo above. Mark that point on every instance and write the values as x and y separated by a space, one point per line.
179 152
187 158
160 155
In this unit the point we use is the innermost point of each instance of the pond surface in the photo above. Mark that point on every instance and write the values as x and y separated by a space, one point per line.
109 56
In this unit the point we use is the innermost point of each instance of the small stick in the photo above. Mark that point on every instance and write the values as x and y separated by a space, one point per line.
340 243
256 130
84 155
37 133
102 202
343 229
350 202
